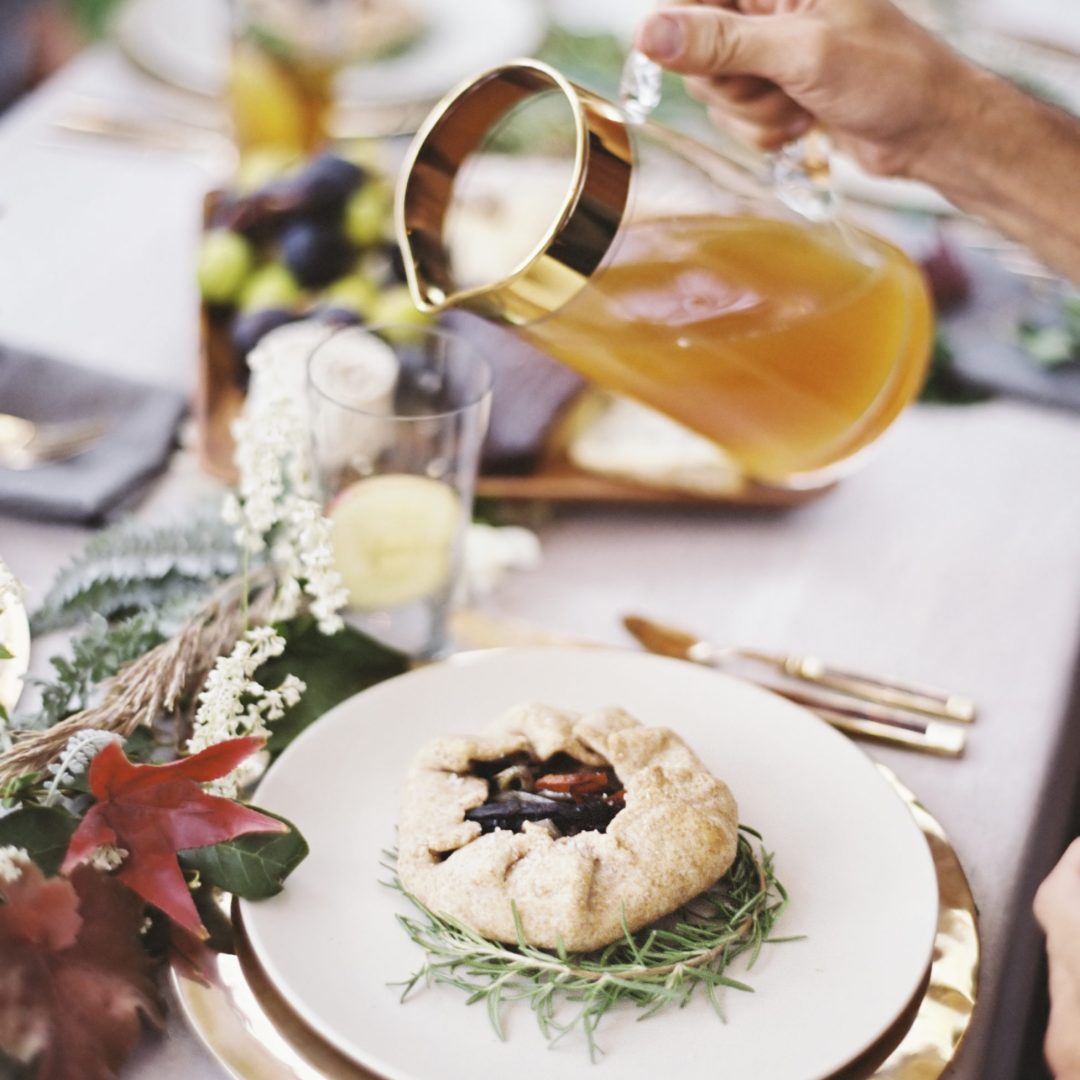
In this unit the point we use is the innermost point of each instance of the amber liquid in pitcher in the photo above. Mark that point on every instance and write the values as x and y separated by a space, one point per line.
769 338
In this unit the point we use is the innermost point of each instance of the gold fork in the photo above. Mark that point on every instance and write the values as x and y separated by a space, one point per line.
24 443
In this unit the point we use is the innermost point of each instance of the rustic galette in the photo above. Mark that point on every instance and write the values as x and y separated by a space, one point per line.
580 823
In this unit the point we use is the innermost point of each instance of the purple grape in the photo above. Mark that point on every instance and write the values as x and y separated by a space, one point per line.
316 252
322 187
336 316
396 261
250 327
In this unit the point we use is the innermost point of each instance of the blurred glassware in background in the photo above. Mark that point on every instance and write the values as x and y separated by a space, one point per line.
287 55
412 52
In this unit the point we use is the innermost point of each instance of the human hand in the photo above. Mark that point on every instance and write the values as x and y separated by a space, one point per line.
767 70
1057 907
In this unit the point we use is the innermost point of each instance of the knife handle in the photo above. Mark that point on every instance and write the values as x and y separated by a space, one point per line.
884 691
938 738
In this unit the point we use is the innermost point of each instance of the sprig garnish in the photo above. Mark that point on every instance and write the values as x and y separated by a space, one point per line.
659 966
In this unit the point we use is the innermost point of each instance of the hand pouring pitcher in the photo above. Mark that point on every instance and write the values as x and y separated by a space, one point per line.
670 271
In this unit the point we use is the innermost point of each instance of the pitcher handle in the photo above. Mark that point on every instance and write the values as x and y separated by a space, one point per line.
799 173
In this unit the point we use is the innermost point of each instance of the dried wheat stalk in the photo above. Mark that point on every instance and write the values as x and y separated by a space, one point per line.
156 682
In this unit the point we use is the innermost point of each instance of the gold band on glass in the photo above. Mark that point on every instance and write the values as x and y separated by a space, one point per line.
578 238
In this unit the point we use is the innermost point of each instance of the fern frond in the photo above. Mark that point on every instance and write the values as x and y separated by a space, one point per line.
96 654
75 758
131 567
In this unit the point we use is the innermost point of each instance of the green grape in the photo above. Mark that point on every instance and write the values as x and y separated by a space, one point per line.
368 153
367 214
259 167
353 293
395 308
225 262
271 286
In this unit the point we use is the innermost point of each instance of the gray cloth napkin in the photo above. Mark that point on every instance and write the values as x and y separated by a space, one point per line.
143 421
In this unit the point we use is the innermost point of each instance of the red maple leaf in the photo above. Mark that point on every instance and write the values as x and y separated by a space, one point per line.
154 811
75 977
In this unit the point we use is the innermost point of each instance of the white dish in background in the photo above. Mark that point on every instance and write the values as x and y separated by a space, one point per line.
186 43
15 637
858 870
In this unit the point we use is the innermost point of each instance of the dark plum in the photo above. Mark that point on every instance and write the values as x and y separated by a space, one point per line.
336 316
323 187
395 260
250 327
315 252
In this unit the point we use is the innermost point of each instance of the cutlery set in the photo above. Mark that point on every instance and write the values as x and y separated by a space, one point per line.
869 706
25 444
865 706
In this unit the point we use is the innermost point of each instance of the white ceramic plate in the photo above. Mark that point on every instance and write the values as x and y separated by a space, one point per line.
859 873
185 43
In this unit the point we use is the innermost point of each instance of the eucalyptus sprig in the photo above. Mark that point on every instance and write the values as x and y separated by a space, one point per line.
657 967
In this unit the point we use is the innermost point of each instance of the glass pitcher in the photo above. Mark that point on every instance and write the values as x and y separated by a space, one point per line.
669 271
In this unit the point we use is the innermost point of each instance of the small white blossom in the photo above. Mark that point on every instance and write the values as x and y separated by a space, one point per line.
107 857
276 501
12 862
232 703
491 551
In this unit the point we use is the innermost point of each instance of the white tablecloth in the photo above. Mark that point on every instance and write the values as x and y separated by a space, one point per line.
953 558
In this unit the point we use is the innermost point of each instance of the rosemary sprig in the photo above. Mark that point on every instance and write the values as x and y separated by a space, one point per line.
657 967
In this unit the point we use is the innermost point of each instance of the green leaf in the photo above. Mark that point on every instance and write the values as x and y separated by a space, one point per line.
11 789
253 866
333 668
943 385
43 831
5 652
1048 345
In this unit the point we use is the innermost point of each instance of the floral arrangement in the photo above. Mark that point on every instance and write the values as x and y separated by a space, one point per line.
120 815
196 655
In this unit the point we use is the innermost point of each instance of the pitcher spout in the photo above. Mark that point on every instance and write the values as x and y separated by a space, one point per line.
581 231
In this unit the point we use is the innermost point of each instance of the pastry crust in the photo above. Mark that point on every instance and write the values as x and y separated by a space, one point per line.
676 835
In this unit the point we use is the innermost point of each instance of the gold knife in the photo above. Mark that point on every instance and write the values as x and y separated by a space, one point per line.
888 693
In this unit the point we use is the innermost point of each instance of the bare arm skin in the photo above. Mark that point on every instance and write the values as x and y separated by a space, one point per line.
890 94
1057 907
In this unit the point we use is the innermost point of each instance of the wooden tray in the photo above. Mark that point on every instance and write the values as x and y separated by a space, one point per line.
219 399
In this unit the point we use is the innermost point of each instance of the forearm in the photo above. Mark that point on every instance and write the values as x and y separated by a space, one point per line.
1014 161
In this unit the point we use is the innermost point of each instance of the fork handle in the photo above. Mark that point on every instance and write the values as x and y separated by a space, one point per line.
884 691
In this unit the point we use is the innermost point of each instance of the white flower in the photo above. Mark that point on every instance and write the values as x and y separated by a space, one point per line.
491 551
233 704
12 861
107 857
276 502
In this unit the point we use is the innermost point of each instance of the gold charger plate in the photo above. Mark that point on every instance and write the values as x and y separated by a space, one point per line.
248 1026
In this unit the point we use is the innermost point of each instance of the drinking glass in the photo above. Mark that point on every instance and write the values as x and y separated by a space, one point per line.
398 415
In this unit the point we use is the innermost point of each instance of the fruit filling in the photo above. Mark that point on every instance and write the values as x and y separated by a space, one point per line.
561 792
